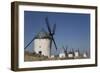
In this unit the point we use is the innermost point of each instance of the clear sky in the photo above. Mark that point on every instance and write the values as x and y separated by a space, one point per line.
72 29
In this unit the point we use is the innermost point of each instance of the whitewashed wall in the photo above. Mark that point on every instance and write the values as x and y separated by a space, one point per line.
42 45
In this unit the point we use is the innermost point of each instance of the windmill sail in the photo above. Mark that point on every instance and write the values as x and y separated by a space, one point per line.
54 42
66 48
48 26
51 33
29 43
54 28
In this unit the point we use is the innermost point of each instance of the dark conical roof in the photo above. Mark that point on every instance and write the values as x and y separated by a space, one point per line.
43 34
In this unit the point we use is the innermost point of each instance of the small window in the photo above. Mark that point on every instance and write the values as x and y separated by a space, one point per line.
40 52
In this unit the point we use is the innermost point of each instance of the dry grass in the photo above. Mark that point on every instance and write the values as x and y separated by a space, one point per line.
36 57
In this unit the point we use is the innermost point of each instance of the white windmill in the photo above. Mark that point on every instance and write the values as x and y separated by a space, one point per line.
77 54
71 54
65 51
43 41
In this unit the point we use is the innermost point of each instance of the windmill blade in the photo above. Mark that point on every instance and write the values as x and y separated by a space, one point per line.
64 48
78 50
49 29
72 50
29 43
54 42
48 26
54 28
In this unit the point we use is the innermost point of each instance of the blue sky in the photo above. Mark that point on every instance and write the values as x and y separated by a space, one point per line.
72 29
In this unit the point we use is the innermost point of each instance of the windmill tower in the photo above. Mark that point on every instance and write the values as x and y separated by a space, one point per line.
77 54
43 41
71 54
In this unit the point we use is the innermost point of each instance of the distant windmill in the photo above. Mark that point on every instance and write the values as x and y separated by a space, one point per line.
65 50
77 54
71 54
